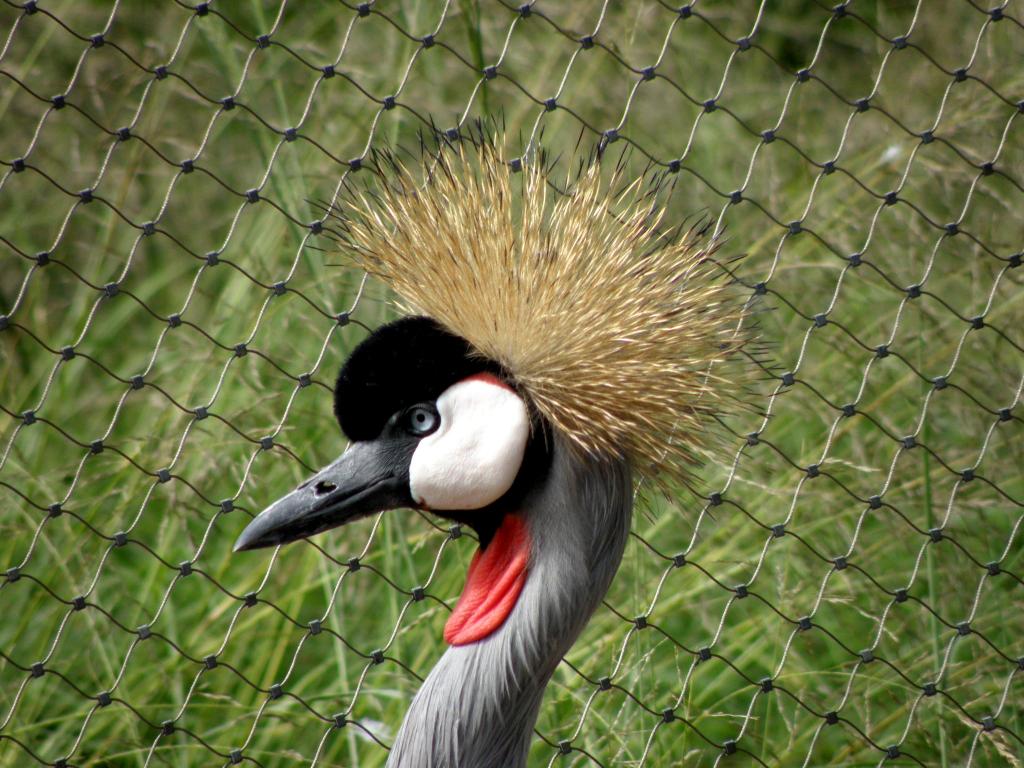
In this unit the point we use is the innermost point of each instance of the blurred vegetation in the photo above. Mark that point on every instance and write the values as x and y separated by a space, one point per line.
249 393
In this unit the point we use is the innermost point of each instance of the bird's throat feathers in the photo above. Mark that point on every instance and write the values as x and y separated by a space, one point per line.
494 582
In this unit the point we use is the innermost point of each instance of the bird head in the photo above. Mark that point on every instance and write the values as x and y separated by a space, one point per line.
579 322
431 425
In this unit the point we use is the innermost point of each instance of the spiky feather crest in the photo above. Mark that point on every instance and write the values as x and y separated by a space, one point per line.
611 328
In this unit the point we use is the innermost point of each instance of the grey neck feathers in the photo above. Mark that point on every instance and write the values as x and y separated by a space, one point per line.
478 706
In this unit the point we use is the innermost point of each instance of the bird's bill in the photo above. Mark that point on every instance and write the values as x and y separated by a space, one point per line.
366 479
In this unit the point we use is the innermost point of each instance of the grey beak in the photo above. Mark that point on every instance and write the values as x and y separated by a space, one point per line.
369 477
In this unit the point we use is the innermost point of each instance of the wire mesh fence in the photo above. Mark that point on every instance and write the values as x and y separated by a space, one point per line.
844 587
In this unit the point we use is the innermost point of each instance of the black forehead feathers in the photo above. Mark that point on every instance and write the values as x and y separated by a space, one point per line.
408 361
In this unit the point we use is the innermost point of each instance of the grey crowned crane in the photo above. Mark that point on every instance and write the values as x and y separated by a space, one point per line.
554 352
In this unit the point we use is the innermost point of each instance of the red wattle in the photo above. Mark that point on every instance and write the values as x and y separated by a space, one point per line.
496 577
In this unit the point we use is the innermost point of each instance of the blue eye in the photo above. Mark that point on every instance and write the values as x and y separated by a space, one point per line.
421 419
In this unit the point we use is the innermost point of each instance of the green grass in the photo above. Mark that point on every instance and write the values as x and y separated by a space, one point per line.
90 396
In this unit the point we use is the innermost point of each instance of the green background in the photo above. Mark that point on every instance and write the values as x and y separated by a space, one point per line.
925 134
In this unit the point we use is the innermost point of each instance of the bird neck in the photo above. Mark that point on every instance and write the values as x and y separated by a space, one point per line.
479 704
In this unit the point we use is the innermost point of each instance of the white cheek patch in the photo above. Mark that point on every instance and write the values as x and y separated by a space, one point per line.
474 456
